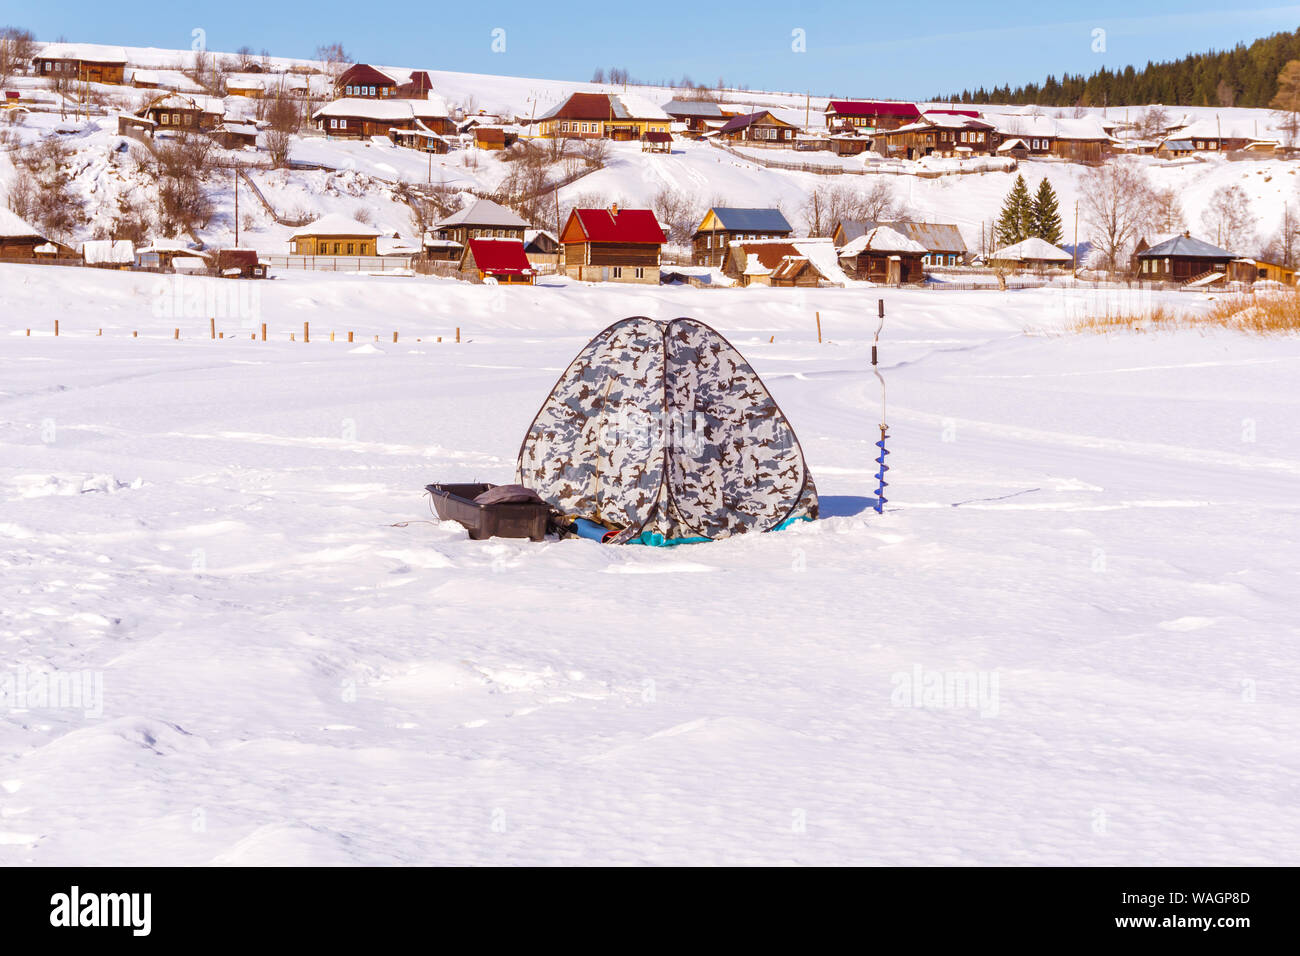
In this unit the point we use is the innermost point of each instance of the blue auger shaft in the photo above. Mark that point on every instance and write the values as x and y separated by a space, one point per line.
880 475
884 428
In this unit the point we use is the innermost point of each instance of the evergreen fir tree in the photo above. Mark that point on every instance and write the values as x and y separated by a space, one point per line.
1016 219
1045 214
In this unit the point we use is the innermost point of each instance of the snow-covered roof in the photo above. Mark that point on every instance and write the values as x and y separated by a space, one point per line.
12 227
393 110
335 224
1033 250
170 245
188 101
1184 246
635 106
883 239
699 108
484 212
820 253
1224 127
90 52
108 252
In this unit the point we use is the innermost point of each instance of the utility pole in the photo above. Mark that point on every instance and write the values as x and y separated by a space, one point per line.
236 172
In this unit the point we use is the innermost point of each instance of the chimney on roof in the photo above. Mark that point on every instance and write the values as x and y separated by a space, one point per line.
613 210
1187 233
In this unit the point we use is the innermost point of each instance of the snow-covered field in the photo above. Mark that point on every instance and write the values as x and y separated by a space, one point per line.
288 660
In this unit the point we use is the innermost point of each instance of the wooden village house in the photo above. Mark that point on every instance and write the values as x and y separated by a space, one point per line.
612 245
184 113
1180 259
943 243
363 81
937 134
482 218
723 224
784 263
354 118
18 240
869 115
335 235
696 117
616 116
84 63
884 256
761 127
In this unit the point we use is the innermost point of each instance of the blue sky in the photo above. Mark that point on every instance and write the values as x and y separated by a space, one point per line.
905 50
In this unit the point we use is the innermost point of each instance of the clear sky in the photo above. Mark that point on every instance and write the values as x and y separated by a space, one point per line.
900 49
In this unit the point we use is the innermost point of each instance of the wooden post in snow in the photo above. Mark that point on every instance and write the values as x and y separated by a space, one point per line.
349 338
212 328
176 334
263 331
394 338
819 327
56 328
457 335
306 332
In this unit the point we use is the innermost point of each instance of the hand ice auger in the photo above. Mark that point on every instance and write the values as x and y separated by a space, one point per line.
884 429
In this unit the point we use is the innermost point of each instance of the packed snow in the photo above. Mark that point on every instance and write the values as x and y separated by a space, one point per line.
234 634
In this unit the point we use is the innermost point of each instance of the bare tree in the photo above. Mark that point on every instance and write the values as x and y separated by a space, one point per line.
284 119
1116 203
17 47
1153 123
599 75
1166 211
678 213
1229 219
828 205
595 152
334 60
1282 248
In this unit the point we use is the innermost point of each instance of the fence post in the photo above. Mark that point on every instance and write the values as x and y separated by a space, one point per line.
306 332
212 328
457 335
176 334
394 338
56 328
349 337
819 327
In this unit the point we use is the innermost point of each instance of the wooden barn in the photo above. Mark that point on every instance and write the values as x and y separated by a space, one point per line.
541 247
236 135
724 224
423 139
335 235
240 264
82 62
501 259
762 127
1180 259
612 245
1033 253
884 256
617 116
493 138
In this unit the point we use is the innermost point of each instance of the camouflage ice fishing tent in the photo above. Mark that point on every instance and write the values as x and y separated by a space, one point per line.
663 431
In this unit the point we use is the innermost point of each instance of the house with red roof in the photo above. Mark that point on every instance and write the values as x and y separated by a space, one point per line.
501 259
869 114
612 245
617 116
364 81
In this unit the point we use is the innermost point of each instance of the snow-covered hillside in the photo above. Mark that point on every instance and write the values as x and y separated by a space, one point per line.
287 660
360 175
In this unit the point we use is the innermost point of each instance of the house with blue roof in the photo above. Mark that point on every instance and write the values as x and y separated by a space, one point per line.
722 224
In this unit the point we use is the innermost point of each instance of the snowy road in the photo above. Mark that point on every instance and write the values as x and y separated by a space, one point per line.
1100 533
